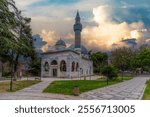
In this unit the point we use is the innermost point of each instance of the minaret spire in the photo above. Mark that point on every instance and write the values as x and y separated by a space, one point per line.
77 30
77 17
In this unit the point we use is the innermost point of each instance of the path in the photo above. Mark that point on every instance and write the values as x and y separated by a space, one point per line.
35 93
129 90
132 89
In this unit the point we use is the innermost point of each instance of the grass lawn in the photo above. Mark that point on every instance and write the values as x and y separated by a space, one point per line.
146 95
17 85
66 87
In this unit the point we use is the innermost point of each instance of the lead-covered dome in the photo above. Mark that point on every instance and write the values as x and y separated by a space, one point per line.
60 43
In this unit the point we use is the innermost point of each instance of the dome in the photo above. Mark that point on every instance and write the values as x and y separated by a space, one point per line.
83 49
60 43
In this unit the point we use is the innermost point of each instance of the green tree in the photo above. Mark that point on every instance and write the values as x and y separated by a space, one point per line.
35 67
7 38
109 71
15 35
121 58
142 59
24 37
99 60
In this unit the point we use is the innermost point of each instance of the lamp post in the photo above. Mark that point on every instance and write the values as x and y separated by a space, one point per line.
12 73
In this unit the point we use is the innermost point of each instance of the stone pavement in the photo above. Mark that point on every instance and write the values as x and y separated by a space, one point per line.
34 92
132 89
128 90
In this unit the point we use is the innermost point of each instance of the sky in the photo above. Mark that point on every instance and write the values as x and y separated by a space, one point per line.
105 22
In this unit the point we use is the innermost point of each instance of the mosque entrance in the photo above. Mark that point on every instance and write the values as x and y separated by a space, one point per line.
54 72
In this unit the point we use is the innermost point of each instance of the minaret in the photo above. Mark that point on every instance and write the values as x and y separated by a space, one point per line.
77 30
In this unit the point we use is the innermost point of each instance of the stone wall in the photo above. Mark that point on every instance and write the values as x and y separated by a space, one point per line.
85 66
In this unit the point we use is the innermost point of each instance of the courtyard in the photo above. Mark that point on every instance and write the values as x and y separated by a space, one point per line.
128 90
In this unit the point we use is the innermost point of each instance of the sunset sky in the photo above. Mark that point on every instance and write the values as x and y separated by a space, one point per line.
106 22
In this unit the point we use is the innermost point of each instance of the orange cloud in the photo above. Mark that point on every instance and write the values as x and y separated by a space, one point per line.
49 37
108 33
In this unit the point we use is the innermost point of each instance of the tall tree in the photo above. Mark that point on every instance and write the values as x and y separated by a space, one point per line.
142 60
15 35
121 58
99 60
8 40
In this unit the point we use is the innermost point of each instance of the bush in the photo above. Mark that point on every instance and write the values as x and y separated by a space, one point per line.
109 71
35 67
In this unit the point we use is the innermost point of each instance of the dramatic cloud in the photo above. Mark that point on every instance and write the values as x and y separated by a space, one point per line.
105 27
48 37
107 32
106 35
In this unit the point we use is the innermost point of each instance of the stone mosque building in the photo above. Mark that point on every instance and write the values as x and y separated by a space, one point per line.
67 62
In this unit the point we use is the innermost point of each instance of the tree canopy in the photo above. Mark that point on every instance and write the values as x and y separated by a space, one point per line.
15 34
99 60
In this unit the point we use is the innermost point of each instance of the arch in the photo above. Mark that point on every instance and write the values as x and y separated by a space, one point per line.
73 66
54 62
63 66
46 66
77 66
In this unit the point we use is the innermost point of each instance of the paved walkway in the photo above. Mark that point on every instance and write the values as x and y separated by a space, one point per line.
132 89
35 93
129 90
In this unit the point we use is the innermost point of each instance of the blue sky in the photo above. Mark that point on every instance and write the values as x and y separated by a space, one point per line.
125 10
51 16
56 2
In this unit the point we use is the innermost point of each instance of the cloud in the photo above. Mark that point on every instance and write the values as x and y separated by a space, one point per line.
22 4
108 32
106 35
110 21
48 37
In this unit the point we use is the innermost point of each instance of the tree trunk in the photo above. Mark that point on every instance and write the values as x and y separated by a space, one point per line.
12 75
122 74
12 70
16 66
2 69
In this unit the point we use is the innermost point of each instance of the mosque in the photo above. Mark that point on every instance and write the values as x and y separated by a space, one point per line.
67 62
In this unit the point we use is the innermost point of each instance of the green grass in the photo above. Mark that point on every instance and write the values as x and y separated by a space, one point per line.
66 87
17 85
146 95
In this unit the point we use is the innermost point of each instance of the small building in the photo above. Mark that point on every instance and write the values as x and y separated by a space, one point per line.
67 62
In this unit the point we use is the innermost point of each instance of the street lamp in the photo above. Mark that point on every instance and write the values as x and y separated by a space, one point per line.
12 72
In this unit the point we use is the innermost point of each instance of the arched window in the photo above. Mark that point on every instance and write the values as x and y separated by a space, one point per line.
77 66
46 66
63 66
54 62
73 66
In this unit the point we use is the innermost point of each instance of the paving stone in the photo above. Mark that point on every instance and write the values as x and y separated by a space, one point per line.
128 90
